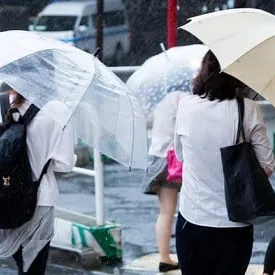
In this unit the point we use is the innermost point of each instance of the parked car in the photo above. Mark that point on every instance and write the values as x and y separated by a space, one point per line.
74 22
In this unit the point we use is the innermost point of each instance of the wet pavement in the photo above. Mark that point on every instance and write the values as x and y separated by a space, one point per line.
51 270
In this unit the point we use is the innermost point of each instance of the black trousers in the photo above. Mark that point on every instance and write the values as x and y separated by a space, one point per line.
38 267
269 261
213 251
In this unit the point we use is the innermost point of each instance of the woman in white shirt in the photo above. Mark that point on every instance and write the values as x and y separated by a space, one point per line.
46 140
207 241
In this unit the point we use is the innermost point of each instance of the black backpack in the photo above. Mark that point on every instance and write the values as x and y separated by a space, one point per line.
18 191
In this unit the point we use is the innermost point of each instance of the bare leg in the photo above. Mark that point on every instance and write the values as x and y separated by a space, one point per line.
168 202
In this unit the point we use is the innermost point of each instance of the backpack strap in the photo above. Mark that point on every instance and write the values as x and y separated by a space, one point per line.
26 119
30 114
5 105
44 171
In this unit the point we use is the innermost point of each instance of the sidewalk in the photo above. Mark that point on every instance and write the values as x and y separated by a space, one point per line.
146 265
149 265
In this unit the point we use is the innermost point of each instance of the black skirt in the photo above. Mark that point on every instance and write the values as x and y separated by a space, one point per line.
155 177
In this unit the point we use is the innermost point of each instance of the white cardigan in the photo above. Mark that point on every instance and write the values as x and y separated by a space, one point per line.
162 136
46 140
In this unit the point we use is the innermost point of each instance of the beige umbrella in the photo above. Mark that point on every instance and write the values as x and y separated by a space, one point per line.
243 40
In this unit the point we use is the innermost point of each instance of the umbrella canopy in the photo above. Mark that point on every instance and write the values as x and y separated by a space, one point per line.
105 115
243 40
172 70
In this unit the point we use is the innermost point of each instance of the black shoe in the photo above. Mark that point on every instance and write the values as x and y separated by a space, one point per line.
164 267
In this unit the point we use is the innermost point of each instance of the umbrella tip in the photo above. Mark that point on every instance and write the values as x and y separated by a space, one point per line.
163 49
96 53
162 46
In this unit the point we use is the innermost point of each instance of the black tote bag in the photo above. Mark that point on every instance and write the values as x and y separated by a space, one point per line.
249 195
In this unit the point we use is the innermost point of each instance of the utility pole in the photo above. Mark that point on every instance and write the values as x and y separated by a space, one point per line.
99 27
172 23
241 4
246 3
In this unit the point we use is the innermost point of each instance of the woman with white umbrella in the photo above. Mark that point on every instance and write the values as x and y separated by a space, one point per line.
159 84
207 241
60 84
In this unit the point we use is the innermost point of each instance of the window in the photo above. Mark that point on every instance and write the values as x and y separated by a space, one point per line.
114 18
111 19
55 23
84 21
94 17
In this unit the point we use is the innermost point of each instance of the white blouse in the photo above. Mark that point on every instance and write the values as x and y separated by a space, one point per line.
47 140
162 136
202 128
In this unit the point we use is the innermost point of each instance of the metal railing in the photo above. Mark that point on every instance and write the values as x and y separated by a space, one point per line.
98 175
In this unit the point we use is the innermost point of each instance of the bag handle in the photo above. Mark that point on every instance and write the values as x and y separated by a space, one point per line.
44 171
240 132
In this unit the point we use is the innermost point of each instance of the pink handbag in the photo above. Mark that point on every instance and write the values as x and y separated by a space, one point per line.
174 168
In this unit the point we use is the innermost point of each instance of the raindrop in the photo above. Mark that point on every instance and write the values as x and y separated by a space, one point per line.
230 4
116 271
204 9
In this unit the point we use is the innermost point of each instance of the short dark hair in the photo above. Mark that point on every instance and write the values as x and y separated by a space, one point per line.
213 84
4 87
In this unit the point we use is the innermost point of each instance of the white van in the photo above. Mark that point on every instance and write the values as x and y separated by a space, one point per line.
74 22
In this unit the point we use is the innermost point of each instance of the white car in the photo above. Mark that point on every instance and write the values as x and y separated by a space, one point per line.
74 22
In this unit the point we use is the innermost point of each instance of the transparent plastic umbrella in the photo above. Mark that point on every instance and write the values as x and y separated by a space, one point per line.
172 70
105 115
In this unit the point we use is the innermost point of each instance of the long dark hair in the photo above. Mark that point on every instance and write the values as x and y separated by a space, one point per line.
213 84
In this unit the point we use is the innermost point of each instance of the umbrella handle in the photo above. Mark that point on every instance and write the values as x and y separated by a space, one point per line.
255 96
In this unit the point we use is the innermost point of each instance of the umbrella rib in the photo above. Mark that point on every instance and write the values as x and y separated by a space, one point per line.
268 82
229 36
133 130
248 51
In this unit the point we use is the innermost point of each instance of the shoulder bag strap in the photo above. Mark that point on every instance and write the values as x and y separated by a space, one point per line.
240 132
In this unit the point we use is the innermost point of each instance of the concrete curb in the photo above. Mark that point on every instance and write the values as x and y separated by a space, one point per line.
85 261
